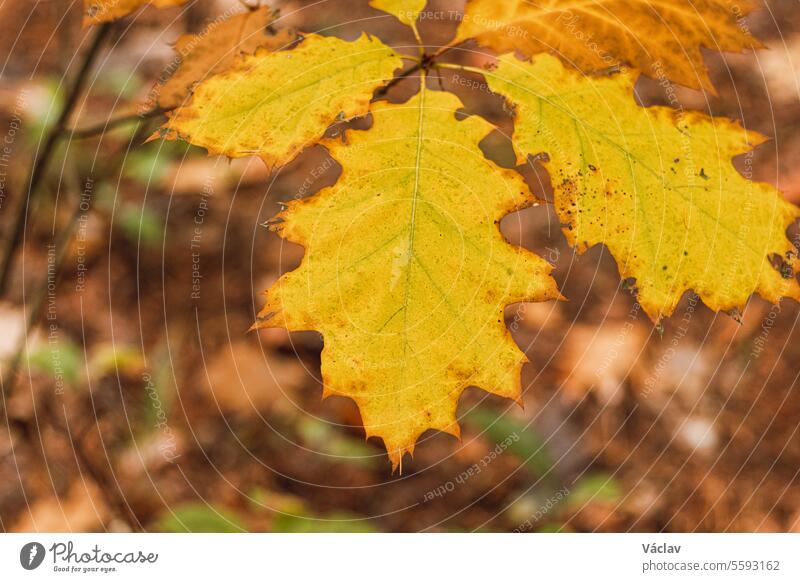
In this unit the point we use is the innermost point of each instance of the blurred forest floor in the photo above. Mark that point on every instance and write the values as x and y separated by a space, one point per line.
141 406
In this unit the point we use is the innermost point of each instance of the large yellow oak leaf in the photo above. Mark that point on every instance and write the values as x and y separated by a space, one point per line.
274 104
215 49
655 185
661 38
96 11
406 273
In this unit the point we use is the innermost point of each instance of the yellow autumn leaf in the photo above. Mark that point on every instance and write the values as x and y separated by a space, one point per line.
215 49
273 104
655 185
406 273
96 11
661 38
406 11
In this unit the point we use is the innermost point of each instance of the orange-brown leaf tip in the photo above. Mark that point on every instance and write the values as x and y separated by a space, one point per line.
217 47
98 11
154 136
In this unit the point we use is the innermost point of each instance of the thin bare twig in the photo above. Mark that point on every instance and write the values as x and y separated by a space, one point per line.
395 80
112 123
426 62
9 378
42 159
37 304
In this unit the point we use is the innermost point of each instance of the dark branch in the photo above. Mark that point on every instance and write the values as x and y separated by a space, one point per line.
112 123
42 159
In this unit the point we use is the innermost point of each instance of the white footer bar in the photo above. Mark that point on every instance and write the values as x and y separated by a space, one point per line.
401 557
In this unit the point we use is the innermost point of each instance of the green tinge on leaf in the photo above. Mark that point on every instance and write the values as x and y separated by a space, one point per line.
274 104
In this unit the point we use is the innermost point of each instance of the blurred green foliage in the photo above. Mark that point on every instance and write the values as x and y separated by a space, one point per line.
60 360
140 224
199 518
110 358
336 446
594 487
529 448
289 514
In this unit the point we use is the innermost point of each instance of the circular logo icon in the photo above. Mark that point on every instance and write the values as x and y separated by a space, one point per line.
31 555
